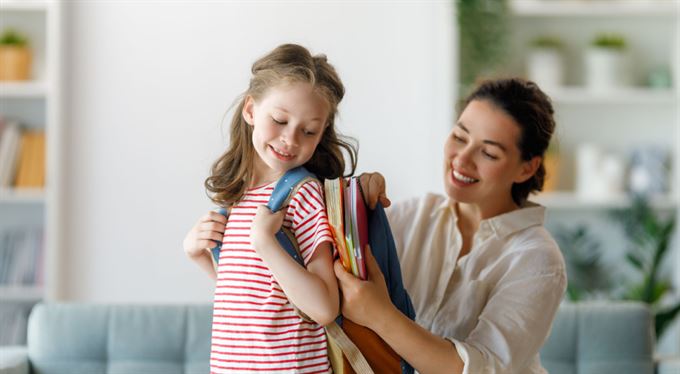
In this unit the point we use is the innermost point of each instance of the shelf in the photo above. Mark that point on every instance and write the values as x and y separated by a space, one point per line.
21 293
566 200
32 5
541 8
34 196
582 95
23 89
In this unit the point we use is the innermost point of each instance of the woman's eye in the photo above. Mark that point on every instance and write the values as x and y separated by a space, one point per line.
309 133
489 155
458 139
278 122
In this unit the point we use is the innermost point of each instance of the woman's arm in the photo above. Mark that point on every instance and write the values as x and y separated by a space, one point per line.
367 303
313 290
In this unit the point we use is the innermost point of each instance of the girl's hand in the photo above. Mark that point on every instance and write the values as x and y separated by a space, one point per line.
265 224
373 186
206 233
363 301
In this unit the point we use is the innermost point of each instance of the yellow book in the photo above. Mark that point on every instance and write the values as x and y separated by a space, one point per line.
39 171
334 195
24 163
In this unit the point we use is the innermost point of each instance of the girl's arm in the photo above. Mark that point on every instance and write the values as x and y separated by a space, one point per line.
368 303
205 233
313 290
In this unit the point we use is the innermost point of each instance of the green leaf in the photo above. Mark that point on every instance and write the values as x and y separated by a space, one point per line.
635 261
664 319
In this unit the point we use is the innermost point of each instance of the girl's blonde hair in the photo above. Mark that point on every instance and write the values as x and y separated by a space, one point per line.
288 63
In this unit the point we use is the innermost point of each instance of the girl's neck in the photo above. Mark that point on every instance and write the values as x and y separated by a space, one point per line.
262 174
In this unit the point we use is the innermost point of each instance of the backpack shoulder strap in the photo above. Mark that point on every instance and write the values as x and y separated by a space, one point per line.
284 190
218 246
286 187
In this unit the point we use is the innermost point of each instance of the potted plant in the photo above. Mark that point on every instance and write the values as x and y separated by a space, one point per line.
544 65
15 56
606 63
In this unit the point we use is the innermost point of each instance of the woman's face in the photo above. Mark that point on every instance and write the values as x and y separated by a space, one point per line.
481 156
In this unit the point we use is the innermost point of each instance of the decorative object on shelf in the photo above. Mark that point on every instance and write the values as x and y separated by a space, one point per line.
599 174
649 171
551 162
15 56
660 78
483 39
544 65
606 63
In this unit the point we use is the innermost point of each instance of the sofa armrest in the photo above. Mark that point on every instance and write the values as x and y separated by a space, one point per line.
14 360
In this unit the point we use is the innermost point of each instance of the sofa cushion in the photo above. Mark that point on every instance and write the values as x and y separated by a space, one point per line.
606 337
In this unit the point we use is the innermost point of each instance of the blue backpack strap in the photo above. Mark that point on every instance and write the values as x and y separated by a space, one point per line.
217 248
284 190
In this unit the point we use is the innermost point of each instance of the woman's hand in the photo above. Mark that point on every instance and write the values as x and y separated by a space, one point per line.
206 233
373 186
362 301
265 224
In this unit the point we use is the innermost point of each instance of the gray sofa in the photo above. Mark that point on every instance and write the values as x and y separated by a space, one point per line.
175 339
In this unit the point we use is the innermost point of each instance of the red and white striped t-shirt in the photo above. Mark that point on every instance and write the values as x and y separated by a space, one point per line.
255 328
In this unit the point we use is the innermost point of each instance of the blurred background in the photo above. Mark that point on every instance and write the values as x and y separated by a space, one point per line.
112 113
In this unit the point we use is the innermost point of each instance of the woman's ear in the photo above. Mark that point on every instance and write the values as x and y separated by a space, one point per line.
248 110
528 169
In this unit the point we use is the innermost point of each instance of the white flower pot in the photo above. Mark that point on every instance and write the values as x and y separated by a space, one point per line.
545 67
606 69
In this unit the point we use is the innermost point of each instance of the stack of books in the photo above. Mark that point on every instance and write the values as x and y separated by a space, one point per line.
347 216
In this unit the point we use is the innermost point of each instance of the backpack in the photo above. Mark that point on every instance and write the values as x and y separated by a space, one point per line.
352 348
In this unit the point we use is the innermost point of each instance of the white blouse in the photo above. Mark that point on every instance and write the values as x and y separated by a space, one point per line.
497 305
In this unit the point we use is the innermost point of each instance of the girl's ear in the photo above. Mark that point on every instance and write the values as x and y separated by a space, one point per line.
248 110
528 169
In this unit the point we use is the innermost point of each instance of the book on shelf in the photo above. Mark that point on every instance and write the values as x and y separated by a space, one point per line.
22 156
347 216
21 251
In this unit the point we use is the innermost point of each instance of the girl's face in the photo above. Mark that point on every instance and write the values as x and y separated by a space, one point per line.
482 159
288 122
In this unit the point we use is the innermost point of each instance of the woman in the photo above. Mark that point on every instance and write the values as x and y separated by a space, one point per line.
485 276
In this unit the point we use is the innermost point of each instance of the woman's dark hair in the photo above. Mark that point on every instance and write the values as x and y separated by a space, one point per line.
532 110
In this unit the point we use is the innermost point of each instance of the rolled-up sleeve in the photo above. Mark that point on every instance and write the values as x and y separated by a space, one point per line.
515 321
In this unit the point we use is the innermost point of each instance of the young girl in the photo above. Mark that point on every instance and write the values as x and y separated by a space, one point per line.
284 120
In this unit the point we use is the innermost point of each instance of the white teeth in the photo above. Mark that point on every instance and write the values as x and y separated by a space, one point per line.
463 178
280 152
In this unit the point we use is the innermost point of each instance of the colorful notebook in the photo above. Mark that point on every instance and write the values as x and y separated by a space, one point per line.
347 216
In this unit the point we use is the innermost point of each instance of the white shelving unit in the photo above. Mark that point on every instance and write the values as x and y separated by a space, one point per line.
619 120
593 8
35 104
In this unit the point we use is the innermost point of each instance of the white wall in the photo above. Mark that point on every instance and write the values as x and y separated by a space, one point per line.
147 85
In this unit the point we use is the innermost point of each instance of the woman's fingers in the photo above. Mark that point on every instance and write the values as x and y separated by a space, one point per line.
373 186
